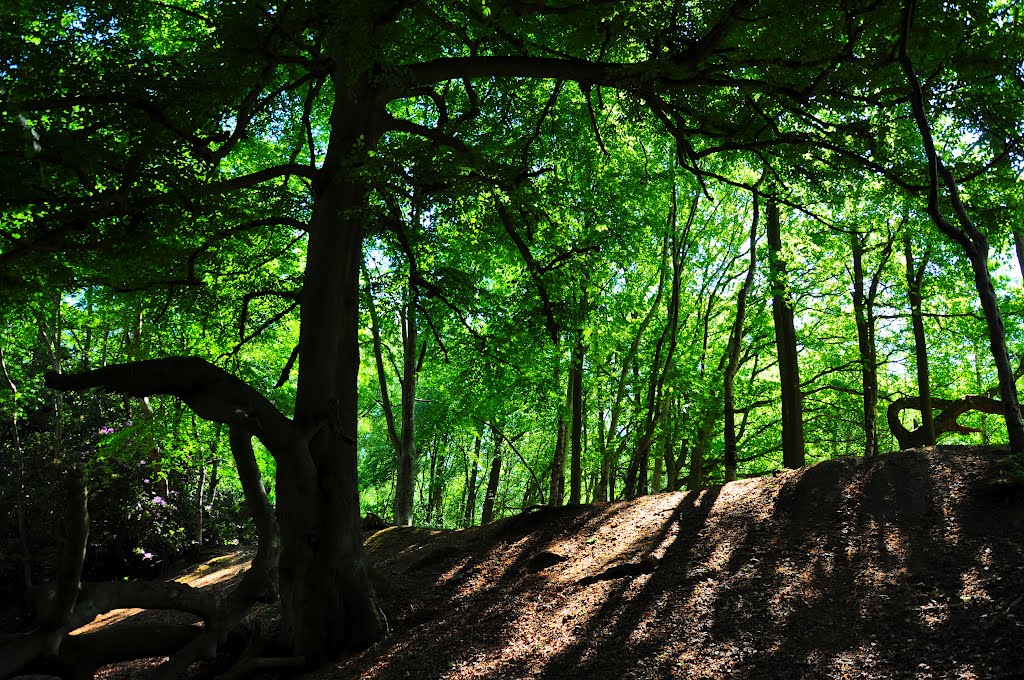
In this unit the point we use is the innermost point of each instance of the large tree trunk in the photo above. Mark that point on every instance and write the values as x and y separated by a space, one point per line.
915 282
785 342
327 602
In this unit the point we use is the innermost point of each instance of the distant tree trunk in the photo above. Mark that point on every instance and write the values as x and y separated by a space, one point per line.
50 332
971 240
915 283
431 480
470 512
200 486
656 475
695 479
556 488
576 391
606 486
487 514
985 439
403 435
684 453
785 342
866 344
700 447
672 461
404 484
864 315
636 474
733 352
601 488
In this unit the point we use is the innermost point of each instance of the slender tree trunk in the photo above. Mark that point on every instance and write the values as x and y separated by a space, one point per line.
470 513
866 343
50 332
980 390
785 342
915 283
556 491
404 485
197 537
487 514
402 434
672 462
733 352
656 475
636 475
601 489
576 390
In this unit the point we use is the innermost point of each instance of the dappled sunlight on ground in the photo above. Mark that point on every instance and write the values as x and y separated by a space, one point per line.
904 566
846 571
214 572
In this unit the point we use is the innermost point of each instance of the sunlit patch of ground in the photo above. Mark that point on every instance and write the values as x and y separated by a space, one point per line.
216 571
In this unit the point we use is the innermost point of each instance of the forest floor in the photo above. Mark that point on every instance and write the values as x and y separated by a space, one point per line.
910 565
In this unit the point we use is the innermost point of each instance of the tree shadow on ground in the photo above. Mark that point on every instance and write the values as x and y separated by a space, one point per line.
865 569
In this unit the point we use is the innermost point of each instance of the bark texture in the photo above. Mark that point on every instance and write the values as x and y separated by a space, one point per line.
785 342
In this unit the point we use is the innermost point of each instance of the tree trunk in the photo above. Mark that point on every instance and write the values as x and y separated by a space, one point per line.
403 434
470 512
733 352
785 342
576 390
404 484
487 514
601 489
556 490
866 343
915 282
327 602
1018 244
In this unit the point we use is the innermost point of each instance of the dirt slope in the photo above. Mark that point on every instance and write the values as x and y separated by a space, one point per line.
910 566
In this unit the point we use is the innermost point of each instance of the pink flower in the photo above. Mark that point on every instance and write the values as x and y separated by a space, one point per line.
159 500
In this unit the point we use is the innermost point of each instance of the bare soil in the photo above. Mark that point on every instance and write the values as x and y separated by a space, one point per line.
910 565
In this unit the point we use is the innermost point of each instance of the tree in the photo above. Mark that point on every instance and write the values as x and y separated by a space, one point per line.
785 342
149 136
971 240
